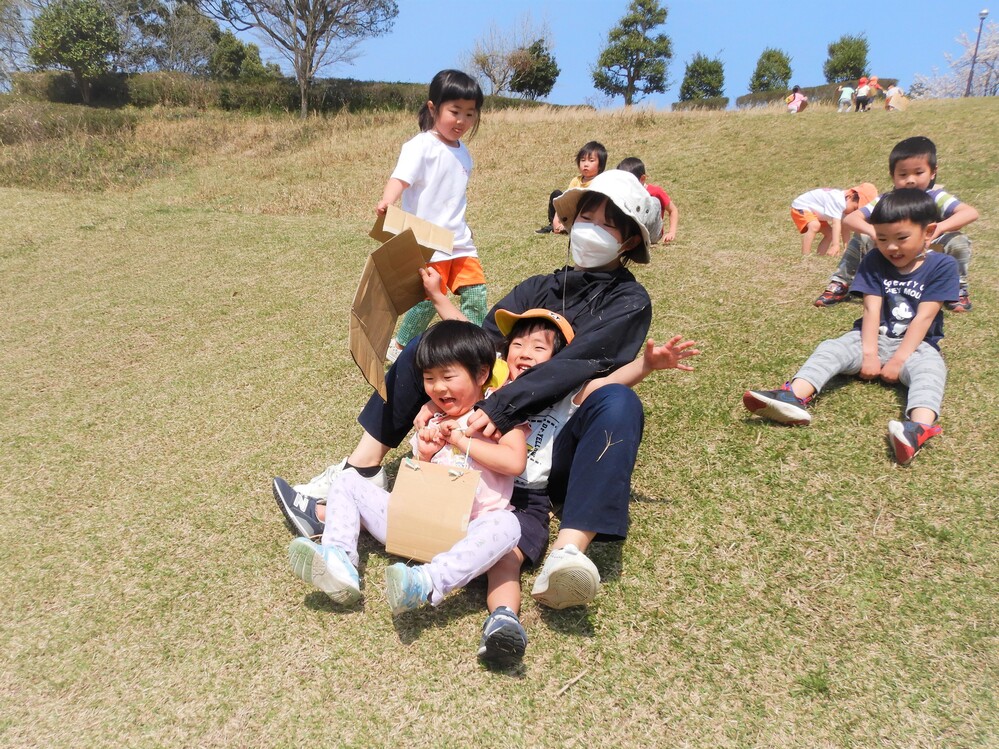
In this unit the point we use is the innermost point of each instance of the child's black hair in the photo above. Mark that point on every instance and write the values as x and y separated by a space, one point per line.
449 85
618 218
917 145
527 325
593 148
634 165
451 342
906 204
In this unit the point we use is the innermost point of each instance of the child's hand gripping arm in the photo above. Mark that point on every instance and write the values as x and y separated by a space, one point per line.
914 335
963 215
507 456
392 192
870 366
669 355
444 306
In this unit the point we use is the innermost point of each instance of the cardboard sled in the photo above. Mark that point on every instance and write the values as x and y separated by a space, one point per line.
390 284
429 509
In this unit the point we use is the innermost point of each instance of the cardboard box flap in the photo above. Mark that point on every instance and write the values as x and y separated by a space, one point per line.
395 221
390 284
429 509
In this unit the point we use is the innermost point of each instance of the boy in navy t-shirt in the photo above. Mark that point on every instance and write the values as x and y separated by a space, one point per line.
898 338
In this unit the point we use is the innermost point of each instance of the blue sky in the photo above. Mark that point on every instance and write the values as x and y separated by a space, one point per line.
430 35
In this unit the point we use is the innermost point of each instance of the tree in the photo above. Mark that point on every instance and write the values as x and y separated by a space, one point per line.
634 62
773 72
310 34
534 70
703 78
12 39
847 59
79 35
186 40
500 52
985 81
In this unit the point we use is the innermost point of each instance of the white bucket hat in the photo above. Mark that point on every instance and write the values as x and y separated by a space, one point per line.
625 191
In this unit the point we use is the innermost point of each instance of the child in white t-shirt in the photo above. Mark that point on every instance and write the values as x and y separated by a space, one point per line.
821 211
431 177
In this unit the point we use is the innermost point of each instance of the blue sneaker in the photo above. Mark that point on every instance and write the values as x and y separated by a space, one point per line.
326 567
298 509
503 639
406 587
778 405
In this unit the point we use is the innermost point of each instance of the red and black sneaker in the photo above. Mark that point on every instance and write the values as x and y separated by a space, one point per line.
963 303
907 437
778 405
835 293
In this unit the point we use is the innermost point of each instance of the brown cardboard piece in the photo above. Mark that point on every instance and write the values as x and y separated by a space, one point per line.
395 221
429 509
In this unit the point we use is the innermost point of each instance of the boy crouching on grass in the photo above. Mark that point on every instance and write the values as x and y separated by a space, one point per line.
898 338
821 211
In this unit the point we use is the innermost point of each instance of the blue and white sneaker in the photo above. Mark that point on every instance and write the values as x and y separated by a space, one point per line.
406 587
503 639
298 509
782 405
326 567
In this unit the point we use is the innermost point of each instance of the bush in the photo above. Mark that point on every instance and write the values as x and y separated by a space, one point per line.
713 102
171 90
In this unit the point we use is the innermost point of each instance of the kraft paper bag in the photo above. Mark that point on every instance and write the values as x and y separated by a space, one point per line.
429 509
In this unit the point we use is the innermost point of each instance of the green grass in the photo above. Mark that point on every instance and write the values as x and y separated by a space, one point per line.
171 338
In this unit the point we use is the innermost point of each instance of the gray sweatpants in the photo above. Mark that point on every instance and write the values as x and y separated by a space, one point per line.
924 372
953 243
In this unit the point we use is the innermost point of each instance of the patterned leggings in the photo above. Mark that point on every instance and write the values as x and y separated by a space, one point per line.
354 502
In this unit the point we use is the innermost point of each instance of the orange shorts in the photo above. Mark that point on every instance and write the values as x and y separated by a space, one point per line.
802 219
460 272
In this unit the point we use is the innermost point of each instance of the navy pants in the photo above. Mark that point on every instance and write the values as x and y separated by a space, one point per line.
594 454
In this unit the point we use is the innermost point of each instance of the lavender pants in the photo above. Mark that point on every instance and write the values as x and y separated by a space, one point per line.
354 503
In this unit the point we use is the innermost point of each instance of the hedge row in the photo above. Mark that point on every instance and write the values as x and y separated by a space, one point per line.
275 95
714 102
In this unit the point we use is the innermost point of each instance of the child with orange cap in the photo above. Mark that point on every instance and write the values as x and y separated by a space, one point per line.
821 211
863 100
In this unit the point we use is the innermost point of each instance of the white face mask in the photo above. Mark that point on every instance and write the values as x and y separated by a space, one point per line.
592 246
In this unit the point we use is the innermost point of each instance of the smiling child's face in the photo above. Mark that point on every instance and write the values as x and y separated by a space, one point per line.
452 389
526 351
903 243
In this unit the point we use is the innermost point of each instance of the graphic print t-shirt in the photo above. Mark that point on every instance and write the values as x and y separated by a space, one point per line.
936 280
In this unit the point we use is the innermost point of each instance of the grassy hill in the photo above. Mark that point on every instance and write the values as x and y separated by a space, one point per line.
174 324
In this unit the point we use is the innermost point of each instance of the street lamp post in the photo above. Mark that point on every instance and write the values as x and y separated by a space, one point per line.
982 15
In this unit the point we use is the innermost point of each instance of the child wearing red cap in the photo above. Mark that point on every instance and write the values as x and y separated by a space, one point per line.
821 211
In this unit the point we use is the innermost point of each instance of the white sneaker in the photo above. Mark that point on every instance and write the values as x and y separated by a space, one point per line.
568 578
394 349
319 486
326 567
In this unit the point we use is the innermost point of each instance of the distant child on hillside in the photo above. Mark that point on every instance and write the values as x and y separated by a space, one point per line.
821 211
635 165
912 163
591 160
431 176
796 101
862 102
846 92
894 98
897 339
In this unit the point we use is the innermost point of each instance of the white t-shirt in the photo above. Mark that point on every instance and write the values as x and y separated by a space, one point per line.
545 427
437 175
826 202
